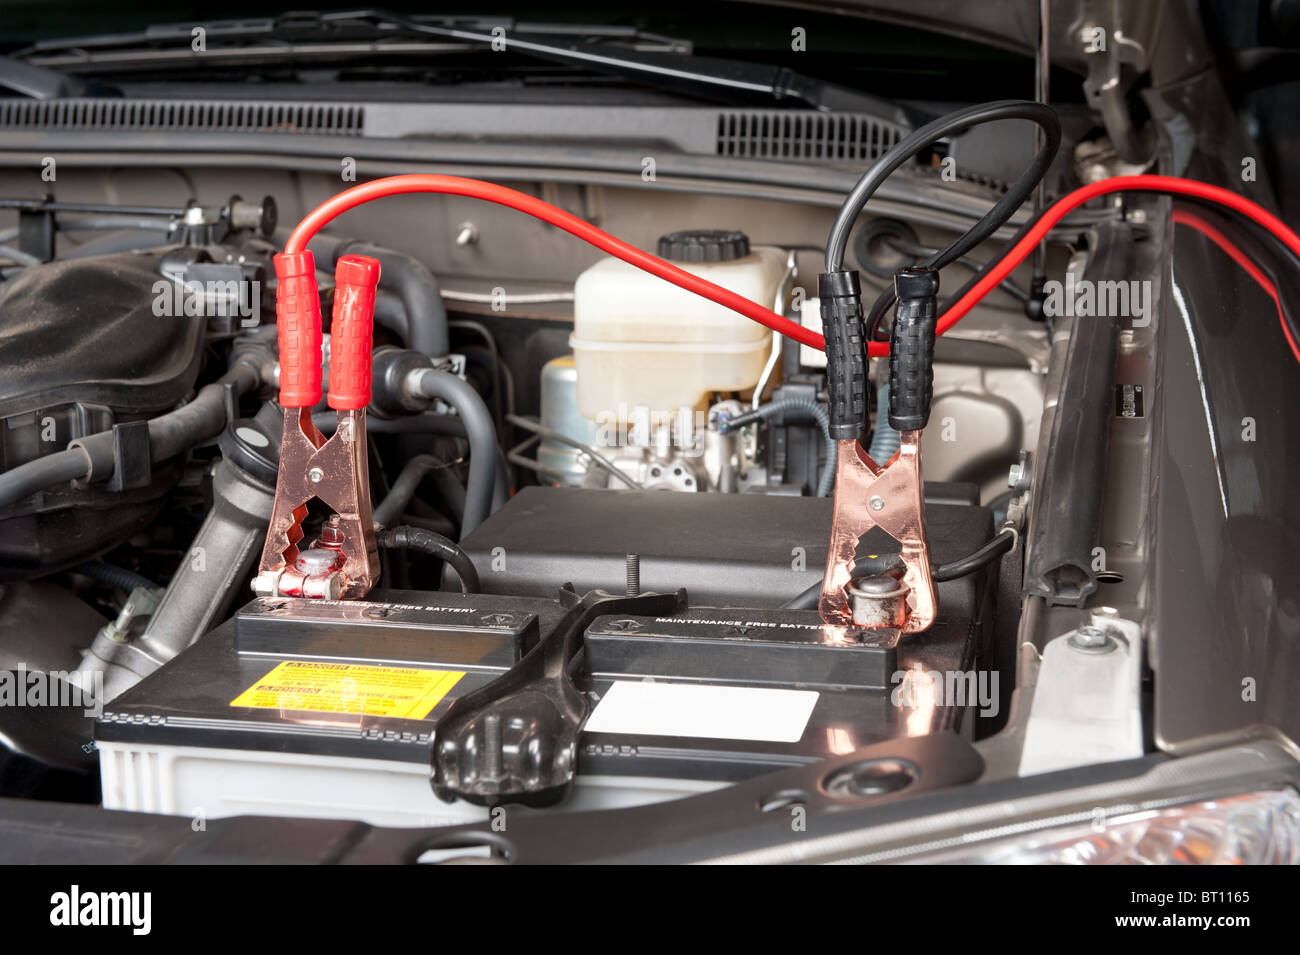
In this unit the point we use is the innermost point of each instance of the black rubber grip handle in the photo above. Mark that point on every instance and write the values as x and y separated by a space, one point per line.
911 348
840 295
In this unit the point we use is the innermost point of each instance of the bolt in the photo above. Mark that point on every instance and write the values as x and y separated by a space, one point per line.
331 533
1015 474
1092 639
876 503
264 585
634 575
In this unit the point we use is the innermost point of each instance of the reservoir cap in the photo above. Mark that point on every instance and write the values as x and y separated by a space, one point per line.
704 245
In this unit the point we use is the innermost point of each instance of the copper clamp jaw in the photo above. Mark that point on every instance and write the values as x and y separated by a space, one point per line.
344 561
887 496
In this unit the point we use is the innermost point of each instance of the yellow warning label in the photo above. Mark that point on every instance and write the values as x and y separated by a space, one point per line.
403 692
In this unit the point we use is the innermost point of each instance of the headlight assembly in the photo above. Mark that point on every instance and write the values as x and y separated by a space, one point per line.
1259 828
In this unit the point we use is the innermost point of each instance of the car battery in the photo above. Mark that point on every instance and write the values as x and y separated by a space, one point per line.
737 550
320 708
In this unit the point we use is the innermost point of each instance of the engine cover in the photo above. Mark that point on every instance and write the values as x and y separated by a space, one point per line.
87 331
82 348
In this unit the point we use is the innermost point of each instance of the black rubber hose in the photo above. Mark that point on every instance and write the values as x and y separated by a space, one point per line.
425 522
114 576
449 488
390 313
805 599
203 418
501 481
39 475
893 563
426 316
482 437
928 135
434 544
404 488
451 492
91 458
427 422
995 548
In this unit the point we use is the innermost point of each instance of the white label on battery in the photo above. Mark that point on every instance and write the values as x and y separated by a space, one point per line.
697 710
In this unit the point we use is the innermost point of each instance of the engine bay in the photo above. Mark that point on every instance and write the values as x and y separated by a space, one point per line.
611 471
409 464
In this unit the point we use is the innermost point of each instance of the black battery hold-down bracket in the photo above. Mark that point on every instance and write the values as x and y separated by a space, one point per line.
516 739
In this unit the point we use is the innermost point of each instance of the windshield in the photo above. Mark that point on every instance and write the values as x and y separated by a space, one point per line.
852 51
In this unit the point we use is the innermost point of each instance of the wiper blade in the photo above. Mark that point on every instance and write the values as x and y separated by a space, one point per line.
311 25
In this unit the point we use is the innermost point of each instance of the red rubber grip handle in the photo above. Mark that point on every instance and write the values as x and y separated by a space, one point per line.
297 322
352 334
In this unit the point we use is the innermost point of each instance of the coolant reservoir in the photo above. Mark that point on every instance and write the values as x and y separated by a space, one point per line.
641 342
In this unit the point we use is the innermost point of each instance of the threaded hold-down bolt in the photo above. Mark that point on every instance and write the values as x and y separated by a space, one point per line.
634 575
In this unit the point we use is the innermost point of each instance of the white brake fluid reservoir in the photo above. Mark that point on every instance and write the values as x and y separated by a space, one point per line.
641 342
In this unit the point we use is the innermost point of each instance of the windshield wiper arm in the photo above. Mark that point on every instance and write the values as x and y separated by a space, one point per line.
686 72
